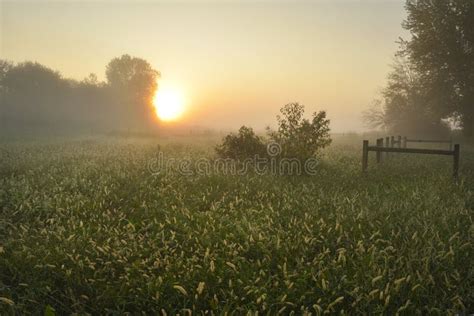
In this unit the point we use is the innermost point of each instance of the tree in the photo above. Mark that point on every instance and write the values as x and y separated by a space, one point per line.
5 67
32 93
299 137
374 117
404 106
132 83
91 80
442 51
133 74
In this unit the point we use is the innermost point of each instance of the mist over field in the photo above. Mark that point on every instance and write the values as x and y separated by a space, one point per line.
236 157
39 99
236 63
232 64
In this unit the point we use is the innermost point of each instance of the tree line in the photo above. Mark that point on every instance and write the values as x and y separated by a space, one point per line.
36 98
431 85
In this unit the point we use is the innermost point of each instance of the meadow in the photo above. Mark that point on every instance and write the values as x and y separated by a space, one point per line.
85 227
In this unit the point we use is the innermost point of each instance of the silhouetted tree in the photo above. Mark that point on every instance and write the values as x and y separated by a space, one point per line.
442 51
5 67
374 117
132 83
433 78
91 80
404 106
33 94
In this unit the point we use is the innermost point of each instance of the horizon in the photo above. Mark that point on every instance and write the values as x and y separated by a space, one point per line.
236 63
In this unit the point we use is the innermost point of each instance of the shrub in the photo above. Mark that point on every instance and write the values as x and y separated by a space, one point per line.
296 137
299 137
244 144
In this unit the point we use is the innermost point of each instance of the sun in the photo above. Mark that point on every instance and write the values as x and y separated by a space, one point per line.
168 103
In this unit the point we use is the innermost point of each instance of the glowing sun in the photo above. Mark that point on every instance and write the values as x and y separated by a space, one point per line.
168 103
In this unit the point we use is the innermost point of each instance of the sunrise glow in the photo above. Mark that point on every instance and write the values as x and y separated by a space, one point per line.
168 103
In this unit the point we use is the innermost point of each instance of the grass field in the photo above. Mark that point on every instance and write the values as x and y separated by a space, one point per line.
86 228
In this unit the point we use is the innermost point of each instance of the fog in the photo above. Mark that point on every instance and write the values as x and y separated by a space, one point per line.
37 99
75 68
237 62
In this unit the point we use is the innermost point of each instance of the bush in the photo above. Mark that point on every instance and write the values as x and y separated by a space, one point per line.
244 144
296 137
299 137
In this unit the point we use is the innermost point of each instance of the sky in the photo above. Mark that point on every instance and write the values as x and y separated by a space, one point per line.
235 62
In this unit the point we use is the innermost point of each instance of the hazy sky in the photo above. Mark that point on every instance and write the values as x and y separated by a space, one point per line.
236 62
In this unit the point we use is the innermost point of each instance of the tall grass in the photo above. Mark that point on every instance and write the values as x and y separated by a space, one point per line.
85 227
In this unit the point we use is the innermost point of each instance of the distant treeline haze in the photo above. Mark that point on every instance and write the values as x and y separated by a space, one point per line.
35 98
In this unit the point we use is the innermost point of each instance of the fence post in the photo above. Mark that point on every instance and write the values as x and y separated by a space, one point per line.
404 142
392 141
456 161
379 154
365 155
387 144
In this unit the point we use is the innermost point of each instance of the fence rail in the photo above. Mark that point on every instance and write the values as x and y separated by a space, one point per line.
379 149
411 150
428 141
432 141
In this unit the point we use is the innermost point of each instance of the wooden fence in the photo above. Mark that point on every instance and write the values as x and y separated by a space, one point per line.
390 148
436 141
